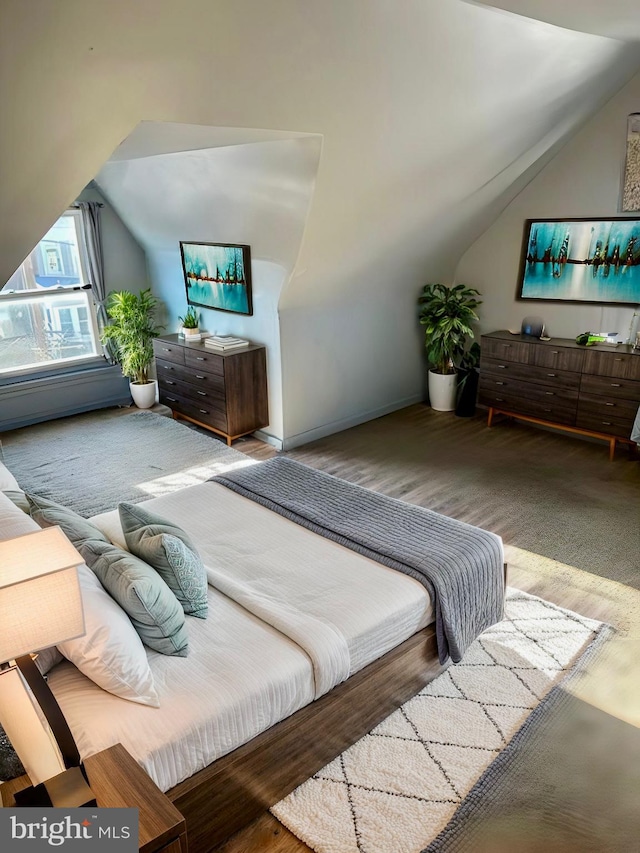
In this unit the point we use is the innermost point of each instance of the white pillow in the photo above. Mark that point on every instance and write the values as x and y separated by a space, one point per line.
8 482
13 521
111 653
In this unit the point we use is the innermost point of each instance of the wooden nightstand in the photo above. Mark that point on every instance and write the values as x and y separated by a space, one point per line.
118 781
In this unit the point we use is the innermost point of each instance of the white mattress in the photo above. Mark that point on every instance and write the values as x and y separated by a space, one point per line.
344 609
241 677
319 612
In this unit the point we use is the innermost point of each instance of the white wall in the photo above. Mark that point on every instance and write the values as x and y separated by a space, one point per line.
584 179
428 109
256 193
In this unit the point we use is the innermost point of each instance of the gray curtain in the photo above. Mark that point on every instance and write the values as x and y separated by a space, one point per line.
93 234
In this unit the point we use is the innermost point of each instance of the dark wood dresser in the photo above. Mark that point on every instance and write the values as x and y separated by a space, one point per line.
588 390
223 392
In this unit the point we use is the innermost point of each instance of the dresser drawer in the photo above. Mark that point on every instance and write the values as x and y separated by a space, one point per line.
529 373
202 359
610 386
506 350
621 365
619 410
605 423
558 358
528 391
549 410
204 412
168 352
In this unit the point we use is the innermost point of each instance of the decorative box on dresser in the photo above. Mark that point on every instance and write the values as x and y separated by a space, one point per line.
225 392
587 390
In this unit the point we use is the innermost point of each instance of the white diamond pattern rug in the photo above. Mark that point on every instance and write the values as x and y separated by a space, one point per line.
399 786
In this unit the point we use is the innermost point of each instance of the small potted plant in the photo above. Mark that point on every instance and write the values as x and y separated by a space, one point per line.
189 323
131 332
447 314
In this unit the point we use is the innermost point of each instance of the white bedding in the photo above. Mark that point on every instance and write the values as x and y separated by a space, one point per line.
240 678
338 610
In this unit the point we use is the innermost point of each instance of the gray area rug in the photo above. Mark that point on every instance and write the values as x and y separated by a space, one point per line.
92 462
529 801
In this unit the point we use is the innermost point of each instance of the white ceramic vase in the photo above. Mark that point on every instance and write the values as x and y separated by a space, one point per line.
187 333
144 393
442 391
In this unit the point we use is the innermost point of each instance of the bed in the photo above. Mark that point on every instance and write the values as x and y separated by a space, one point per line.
308 645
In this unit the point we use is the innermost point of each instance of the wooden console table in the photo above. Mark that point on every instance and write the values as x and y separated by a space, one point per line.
592 391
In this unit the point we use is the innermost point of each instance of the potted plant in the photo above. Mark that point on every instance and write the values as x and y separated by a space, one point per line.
131 331
190 323
447 314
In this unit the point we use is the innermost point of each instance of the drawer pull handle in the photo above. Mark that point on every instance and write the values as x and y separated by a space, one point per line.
617 359
554 352
550 393
204 411
606 423
199 358
609 404
202 393
166 367
616 385
169 382
546 410
551 374
499 383
499 399
172 399
199 376
501 366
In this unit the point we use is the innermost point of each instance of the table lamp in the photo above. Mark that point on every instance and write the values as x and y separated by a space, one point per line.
40 606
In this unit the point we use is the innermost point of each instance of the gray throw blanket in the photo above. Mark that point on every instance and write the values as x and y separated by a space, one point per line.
461 566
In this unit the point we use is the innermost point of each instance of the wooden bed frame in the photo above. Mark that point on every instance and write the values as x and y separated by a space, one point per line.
234 790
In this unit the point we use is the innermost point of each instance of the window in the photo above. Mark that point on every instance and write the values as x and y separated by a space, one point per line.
46 318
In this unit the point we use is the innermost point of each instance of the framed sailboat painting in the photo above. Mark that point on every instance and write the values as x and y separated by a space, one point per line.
218 276
581 260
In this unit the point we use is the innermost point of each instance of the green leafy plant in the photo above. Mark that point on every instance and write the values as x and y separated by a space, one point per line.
132 330
447 314
190 319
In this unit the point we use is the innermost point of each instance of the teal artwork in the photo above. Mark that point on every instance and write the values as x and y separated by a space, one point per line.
218 275
585 260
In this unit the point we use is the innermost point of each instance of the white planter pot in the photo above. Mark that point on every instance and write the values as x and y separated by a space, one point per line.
188 332
442 391
144 394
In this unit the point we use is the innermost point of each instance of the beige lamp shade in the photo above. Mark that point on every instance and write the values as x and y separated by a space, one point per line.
40 601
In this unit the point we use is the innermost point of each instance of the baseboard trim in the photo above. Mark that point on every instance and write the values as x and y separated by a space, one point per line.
268 439
346 423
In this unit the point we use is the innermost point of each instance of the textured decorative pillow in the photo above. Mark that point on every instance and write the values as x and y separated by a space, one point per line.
110 653
167 548
47 659
49 513
153 609
19 498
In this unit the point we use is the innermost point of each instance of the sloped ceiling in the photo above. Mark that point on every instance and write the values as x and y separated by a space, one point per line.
619 19
433 113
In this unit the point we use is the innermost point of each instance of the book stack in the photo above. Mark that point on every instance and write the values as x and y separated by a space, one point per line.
225 343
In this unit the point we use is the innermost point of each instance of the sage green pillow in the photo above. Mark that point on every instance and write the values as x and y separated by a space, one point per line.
49 513
143 595
167 548
19 498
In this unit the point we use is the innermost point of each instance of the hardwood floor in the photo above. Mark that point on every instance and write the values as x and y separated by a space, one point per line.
448 464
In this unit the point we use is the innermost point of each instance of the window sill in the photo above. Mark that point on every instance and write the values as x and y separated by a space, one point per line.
28 375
